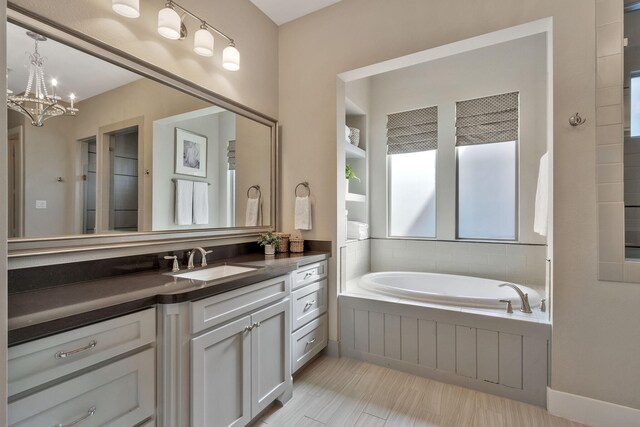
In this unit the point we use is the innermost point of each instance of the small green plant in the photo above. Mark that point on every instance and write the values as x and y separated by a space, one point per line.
349 173
268 238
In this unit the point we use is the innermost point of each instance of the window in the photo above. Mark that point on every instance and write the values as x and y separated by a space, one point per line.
486 149
487 191
412 186
412 142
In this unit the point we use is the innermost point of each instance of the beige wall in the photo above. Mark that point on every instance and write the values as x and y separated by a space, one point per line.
595 347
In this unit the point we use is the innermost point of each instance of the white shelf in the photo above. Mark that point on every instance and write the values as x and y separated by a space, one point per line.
353 152
353 197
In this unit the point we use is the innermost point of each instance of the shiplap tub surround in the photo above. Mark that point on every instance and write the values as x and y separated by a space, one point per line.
495 354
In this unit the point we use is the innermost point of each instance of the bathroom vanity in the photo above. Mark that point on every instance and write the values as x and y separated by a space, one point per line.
214 352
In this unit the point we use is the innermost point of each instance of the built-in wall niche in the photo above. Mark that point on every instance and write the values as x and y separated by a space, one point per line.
356 156
111 168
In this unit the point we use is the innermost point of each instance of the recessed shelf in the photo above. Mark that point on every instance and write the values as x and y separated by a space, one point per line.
353 197
353 152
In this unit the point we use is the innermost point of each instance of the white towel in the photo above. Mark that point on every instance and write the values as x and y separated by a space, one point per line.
200 203
542 197
303 213
347 134
253 212
357 230
184 202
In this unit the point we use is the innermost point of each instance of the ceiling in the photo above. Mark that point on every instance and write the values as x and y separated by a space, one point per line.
283 11
77 72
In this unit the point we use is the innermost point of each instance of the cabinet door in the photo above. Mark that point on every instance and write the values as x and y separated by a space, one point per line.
270 356
220 376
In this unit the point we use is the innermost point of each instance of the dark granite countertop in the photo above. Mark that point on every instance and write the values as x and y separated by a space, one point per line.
44 312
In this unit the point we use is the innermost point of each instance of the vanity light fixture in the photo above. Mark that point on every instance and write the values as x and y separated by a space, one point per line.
126 8
171 26
36 102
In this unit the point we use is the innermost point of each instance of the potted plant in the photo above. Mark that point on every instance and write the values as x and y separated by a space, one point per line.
349 174
269 240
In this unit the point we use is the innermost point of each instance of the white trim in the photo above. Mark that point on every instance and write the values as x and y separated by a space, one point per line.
544 25
591 411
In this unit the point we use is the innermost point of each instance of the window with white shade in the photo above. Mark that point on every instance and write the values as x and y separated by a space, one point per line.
412 143
487 132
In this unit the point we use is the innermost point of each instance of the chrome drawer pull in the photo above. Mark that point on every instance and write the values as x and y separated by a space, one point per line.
89 413
309 274
311 341
308 305
63 354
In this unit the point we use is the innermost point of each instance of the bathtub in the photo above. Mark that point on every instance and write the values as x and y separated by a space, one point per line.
446 289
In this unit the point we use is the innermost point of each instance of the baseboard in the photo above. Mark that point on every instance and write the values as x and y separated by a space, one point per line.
333 348
597 413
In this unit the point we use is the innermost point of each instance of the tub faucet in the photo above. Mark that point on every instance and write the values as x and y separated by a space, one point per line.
524 298
203 253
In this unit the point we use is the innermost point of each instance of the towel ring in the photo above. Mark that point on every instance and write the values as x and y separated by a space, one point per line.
304 184
255 187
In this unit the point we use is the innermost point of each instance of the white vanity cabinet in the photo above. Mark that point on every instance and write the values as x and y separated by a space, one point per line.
225 358
98 375
308 308
240 368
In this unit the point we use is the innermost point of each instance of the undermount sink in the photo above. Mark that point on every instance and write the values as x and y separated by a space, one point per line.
214 273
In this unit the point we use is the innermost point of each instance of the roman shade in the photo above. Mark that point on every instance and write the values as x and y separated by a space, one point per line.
231 155
412 131
488 119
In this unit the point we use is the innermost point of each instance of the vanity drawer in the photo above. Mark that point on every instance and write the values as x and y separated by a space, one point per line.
310 273
119 394
308 303
308 341
212 311
38 362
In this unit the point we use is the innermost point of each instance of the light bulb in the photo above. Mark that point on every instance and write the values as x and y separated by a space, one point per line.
231 58
169 23
72 97
54 82
203 42
126 8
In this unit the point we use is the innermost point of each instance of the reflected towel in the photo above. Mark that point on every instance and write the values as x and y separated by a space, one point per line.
303 213
542 197
253 212
200 203
184 202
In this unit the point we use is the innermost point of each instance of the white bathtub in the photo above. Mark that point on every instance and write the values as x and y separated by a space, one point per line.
446 289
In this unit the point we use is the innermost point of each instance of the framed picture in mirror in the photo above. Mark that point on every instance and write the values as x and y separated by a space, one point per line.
191 153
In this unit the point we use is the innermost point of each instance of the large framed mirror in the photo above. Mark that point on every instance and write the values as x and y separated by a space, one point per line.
105 148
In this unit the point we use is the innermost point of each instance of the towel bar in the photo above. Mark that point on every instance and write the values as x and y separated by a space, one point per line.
176 179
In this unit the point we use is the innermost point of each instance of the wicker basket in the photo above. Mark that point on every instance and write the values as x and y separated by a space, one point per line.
283 245
297 245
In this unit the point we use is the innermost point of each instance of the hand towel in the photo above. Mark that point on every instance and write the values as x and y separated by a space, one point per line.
542 197
347 134
253 212
184 202
200 203
303 213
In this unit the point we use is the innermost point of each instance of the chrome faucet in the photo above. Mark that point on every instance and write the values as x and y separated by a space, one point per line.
524 298
203 253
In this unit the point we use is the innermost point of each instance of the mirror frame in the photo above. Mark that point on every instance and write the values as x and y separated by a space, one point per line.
612 263
37 246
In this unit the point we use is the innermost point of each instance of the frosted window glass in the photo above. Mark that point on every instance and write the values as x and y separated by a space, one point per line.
635 106
487 191
413 194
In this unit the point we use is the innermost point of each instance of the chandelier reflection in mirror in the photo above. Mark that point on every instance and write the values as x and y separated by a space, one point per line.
36 102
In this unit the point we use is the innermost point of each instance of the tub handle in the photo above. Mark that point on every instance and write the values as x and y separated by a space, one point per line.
509 307
308 305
